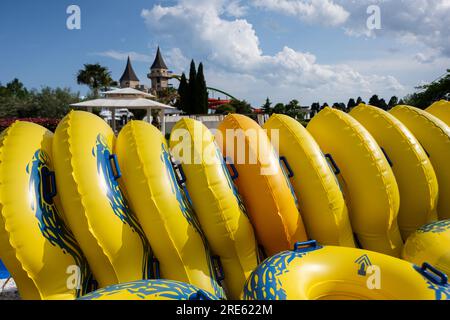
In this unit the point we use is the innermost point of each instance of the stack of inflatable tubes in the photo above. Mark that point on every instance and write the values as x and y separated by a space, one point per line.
94 206
313 272
264 186
35 244
367 180
216 202
434 135
39 238
413 171
164 212
321 201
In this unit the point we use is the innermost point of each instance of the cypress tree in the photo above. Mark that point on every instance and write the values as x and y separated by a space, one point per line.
193 97
201 92
182 102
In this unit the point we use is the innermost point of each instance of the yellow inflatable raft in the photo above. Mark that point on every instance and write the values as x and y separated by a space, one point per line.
36 246
216 202
441 110
265 189
321 201
431 244
151 290
312 272
434 135
413 171
368 182
94 206
152 186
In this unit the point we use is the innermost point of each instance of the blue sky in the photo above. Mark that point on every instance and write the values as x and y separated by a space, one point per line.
286 49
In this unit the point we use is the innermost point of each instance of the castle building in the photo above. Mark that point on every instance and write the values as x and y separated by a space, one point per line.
129 78
159 73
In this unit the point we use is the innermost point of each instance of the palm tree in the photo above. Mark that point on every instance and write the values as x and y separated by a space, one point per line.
95 77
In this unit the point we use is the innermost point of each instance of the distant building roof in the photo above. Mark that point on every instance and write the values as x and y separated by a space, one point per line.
129 74
130 92
159 61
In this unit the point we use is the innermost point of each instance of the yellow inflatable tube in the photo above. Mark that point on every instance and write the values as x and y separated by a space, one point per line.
151 290
216 202
321 201
164 212
413 171
431 243
312 272
265 189
441 110
368 182
434 135
36 246
94 206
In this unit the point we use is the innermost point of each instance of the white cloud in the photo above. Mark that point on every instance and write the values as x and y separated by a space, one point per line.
420 22
236 9
122 56
325 12
232 51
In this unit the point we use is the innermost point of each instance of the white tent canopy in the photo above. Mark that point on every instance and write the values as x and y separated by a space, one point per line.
126 98
128 92
139 103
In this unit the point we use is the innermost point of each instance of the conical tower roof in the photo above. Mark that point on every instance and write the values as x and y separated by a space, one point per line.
159 61
129 74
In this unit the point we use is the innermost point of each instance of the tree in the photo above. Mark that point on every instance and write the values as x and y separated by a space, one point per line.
49 103
15 89
183 92
324 106
383 105
267 107
393 102
201 92
359 101
96 77
315 108
430 93
293 109
351 104
193 98
168 96
374 101
225 109
241 106
340 106
279 108
18 102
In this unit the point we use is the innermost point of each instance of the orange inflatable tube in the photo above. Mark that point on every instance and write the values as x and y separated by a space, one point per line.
263 184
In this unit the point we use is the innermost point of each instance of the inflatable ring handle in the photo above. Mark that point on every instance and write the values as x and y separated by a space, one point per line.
199 296
288 167
337 171
48 185
218 270
306 246
441 278
387 158
116 168
230 163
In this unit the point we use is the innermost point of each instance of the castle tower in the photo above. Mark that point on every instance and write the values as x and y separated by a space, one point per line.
159 73
129 78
